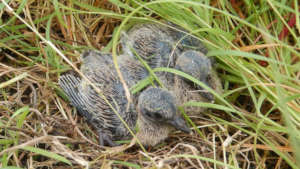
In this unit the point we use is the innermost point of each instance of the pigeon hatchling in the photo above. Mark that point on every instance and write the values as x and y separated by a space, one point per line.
163 46
152 112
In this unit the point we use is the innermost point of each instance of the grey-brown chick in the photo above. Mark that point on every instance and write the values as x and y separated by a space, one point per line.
183 39
197 65
153 112
157 108
162 46
158 44
151 43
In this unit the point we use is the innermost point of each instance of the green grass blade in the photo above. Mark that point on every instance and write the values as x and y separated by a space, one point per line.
47 154
128 164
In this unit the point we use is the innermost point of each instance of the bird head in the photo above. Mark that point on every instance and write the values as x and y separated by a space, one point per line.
158 106
197 65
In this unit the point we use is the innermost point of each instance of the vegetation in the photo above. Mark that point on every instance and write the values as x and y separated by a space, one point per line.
254 124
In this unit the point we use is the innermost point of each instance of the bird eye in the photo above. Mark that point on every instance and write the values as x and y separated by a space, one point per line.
149 114
157 116
209 78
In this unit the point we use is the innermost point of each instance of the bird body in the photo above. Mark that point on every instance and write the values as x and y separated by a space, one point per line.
163 46
151 43
159 45
99 69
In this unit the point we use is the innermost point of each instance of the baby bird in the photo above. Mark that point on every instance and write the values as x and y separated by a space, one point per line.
162 46
153 111
197 65
151 43
184 40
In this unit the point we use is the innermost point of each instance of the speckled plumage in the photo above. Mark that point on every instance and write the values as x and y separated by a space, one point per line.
151 43
180 51
158 44
184 41
99 69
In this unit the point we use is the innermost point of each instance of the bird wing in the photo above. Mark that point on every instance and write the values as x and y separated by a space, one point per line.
99 69
88 102
70 83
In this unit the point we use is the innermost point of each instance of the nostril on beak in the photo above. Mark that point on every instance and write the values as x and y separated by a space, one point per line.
210 97
207 95
180 124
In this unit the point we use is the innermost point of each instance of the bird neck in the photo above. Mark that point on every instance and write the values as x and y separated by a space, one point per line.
151 133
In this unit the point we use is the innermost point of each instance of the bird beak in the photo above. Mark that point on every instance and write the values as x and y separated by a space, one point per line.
179 124
209 96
